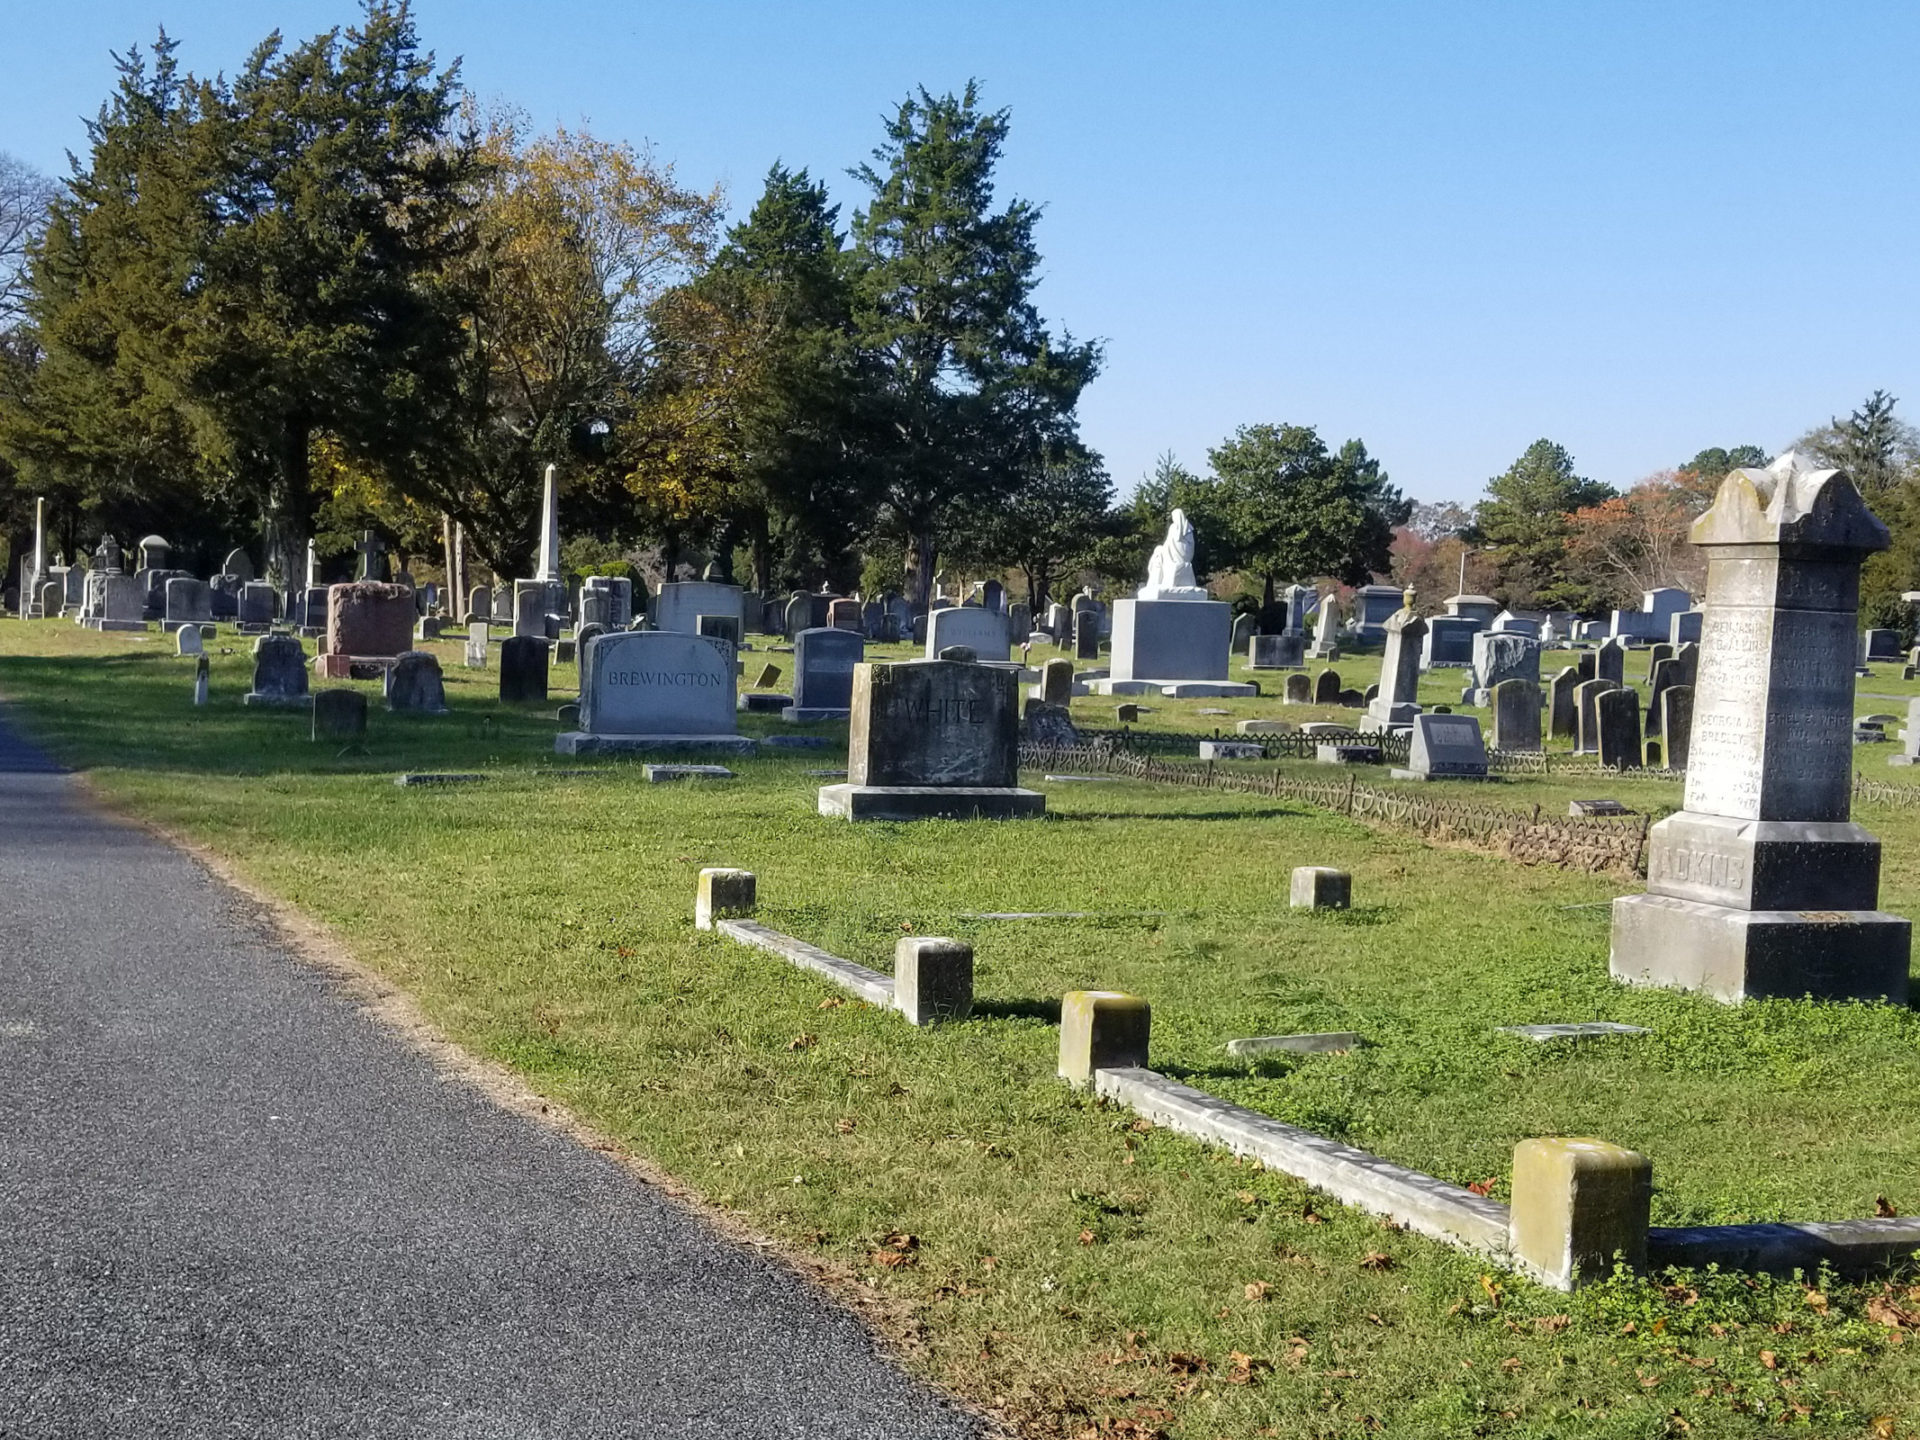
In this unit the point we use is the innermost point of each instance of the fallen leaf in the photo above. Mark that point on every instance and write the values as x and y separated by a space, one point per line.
1511 1363
832 1002
1180 1362
1086 1237
1377 1260
1311 1218
1257 1289
845 1127
1882 1310
891 1259
1494 1292
1883 1427
1551 1324
1246 1197
802 1042
1769 1359
987 1262
1883 1207
1816 1302
1484 1187
1142 1127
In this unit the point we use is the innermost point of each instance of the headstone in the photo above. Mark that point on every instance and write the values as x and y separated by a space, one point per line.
656 690
1086 634
1276 652
823 661
1449 644
719 627
799 613
339 714
524 661
1676 725
981 630
1326 630
1501 655
1445 747
1563 709
238 564
414 685
1516 715
257 606
1480 609
1373 607
1685 626
187 641
189 602
1059 622
619 592
1763 885
1610 662
279 672
1586 698
530 608
1171 633
1019 618
502 605
1617 726
1056 683
1243 628
679 605
1326 687
1880 646
845 615
1299 689
122 602
596 608
478 632
993 596
200 675
1398 698
365 621
932 738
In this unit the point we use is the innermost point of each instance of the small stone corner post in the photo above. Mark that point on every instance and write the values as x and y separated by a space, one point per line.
1578 1203
722 893
932 978
1320 887
1102 1030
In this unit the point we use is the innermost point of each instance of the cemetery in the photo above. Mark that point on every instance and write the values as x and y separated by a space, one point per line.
655 792
1139 1058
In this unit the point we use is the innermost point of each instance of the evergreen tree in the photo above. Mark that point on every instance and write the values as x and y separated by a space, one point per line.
1525 514
966 390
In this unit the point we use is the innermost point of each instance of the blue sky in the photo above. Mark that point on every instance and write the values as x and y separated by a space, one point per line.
1638 229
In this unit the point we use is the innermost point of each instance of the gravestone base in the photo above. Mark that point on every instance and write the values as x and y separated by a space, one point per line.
352 667
814 712
1438 775
1400 717
1178 689
276 702
1774 865
1735 955
582 742
114 624
930 802
765 704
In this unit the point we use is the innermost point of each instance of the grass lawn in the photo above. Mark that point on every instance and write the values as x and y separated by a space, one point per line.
1069 1269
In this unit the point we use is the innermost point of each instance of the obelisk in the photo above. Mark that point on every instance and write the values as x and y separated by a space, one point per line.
30 590
1763 885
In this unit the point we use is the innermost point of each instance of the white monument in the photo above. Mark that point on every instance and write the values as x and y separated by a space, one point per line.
1172 638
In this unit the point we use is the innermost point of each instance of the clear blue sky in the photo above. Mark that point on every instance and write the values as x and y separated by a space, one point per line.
1638 229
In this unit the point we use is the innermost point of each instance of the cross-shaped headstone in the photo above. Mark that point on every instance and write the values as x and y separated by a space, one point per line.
373 557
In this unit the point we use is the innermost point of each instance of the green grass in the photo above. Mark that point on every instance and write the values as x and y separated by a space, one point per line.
1072 1270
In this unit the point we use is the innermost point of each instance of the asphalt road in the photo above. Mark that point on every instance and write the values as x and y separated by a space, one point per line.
232 1204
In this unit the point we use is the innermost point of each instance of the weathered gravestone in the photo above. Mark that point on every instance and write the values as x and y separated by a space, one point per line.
1397 700
1086 634
1326 687
656 690
187 641
678 606
415 686
200 676
530 608
1502 655
845 615
980 630
1299 689
1586 697
1563 713
189 602
1243 628
1020 618
339 714
479 604
798 614
1326 630
1617 729
1276 652
1445 747
1056 683
523 670
1516 715
719 627
279 672
259 604
1676 725
1763 885
1878 646
1449 642
823 661
933 739
478 633
1610 662
368 623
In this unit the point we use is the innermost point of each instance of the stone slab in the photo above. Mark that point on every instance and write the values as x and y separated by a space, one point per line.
1734 955
1324 1043
1585 1029
657 774
581 742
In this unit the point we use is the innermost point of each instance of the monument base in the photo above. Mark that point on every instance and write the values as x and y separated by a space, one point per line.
114 624
581 742
801 713
1178 689
277 702
1396 717
1734 955
767 703
352 667
930 802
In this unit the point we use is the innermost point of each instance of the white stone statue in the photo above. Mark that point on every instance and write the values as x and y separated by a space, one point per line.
1170 569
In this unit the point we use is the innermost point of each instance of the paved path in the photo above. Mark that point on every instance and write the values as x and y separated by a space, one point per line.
231 1204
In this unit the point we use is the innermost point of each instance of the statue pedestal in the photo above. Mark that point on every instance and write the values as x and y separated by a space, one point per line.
1163 643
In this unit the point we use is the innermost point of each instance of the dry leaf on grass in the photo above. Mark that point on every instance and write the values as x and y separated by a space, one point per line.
1883 1208
803 1042
1257 1289
1377 1260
